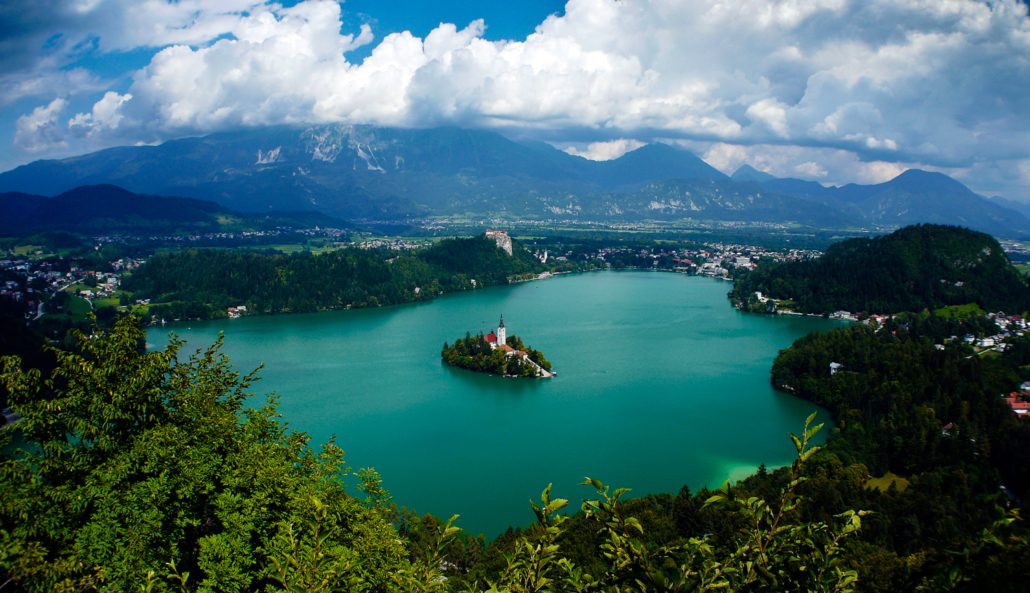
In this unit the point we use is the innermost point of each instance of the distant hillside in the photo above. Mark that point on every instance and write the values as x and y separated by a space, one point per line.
1021 207
911 198
360 172
748 173
367 173
653 162
714 200
914 268
202 283
108 208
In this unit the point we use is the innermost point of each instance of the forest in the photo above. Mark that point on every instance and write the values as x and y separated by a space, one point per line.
180 484
911 269
203 283
156 471
472 352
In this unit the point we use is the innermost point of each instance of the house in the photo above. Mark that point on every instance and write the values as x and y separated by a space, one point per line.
1019 408
835 367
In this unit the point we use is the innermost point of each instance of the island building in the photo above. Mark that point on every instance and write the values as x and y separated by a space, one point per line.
498 341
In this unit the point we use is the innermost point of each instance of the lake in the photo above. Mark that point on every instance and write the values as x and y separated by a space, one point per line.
661 383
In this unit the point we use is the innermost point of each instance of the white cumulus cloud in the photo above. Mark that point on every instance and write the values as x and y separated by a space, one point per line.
885 81
41 129
605 151
106 115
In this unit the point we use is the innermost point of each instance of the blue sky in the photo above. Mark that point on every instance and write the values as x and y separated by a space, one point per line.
836 91
506 20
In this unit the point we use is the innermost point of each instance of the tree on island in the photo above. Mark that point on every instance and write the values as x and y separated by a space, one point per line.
475 353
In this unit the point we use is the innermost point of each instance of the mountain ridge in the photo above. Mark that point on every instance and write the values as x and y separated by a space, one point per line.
366 173
110 208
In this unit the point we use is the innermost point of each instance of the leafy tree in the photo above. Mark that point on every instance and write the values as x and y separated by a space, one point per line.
147 466
474 353
150 471
774 550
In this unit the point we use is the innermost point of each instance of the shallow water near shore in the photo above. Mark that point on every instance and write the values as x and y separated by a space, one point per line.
661 384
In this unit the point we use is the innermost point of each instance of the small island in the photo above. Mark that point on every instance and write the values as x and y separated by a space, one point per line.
498 354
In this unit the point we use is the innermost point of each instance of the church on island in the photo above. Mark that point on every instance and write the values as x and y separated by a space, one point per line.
497 353
499 338
498 341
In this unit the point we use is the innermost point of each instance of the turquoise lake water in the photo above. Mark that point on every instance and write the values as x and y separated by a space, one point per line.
661 383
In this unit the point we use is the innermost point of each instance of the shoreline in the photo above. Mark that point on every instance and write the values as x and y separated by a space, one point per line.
541 277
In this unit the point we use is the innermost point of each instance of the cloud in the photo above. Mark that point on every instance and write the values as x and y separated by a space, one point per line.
42 83
39 28
830 166
42 40
604 151
811 169
106 115
41 130
883 81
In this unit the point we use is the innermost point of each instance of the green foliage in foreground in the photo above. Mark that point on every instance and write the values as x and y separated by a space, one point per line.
145 467
772 551
933 417
145 471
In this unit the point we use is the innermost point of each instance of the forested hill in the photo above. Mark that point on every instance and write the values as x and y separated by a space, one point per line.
104 209
914 268
201 283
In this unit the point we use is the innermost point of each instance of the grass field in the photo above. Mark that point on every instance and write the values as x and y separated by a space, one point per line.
78 309
316 248
141 310
111 301
34 252
966 311
884 482
31 251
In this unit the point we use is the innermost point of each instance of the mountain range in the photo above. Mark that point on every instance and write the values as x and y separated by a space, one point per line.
365 173
108 208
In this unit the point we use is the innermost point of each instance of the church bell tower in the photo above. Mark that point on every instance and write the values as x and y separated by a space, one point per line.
501 334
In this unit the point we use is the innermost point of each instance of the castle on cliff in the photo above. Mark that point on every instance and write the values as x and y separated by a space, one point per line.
502 239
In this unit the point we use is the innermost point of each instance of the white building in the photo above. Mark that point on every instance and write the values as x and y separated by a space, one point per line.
498 338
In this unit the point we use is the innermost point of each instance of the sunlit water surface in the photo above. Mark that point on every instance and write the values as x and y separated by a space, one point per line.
661 383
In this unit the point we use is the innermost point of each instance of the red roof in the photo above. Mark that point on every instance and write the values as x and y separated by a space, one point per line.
1014 402
491 338
506 348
